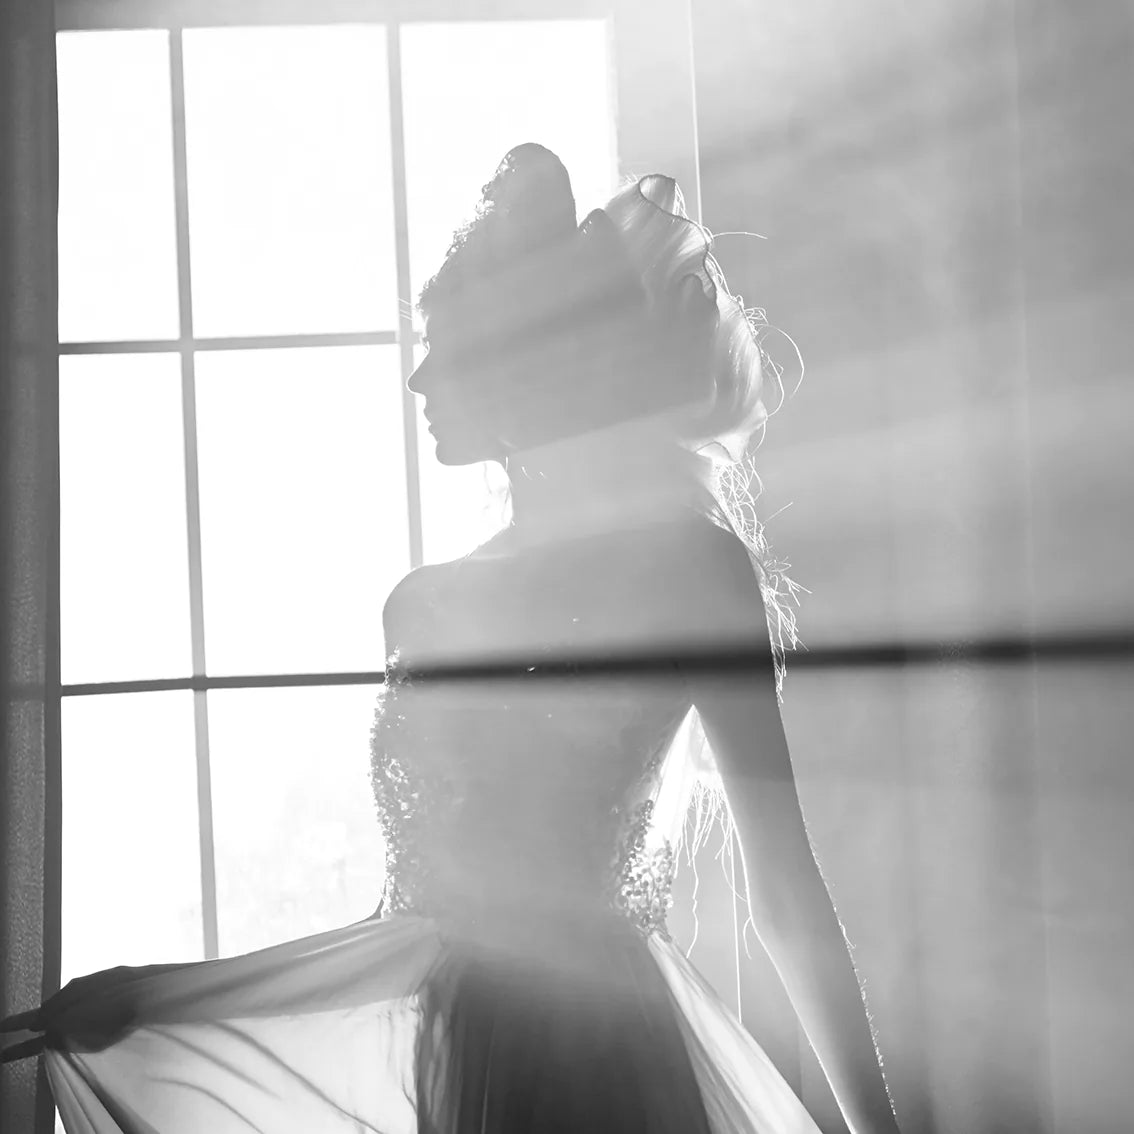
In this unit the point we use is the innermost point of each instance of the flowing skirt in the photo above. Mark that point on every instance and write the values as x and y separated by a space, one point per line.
400 1024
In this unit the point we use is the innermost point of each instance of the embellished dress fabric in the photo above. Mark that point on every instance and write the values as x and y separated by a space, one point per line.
517 977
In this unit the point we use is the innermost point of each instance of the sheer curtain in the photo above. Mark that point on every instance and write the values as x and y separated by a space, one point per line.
29 537
945 190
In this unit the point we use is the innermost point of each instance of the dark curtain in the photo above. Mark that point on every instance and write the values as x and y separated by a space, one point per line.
946 190
29 528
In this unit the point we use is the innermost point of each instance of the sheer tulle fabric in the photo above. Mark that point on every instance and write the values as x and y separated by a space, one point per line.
397 1025
521 979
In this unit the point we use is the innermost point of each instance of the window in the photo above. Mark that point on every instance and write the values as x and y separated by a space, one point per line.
249 202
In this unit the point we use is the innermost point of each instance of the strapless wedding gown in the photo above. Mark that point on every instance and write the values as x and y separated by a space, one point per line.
518 976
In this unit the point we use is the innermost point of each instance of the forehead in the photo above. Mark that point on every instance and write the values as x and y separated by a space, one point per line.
446 319
472 319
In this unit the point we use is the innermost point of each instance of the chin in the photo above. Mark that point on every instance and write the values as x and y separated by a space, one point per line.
458 451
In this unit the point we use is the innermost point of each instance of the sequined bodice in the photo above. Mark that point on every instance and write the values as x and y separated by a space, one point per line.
525 792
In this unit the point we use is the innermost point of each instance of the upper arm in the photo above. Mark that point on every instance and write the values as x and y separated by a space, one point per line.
740 712
734 687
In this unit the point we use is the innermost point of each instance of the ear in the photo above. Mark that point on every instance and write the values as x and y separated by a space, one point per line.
694 296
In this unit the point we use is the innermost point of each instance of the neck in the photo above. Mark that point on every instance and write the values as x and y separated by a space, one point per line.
603 481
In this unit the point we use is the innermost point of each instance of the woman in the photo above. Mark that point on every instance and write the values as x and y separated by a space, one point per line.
530 743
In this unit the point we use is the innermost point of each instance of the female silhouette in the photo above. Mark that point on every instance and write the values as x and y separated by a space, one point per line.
531 750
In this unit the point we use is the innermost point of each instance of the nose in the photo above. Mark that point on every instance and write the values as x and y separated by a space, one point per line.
418 381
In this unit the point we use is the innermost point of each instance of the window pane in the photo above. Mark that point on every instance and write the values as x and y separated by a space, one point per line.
461 505
117 238
303 506
548 83
124 574
298 845
290 192
131 857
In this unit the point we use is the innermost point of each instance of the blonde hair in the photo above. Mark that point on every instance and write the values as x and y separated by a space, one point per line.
666 246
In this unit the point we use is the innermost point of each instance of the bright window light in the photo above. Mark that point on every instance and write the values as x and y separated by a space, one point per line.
131 861
303 506
297 842
290 183
124 566
117 237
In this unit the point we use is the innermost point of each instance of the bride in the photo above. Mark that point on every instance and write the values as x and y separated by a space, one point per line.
531 751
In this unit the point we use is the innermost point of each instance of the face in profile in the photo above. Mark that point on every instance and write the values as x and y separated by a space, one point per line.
492 394
507 371
502 375
464 380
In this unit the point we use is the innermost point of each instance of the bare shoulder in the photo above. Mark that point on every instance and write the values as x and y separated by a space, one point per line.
404 603
709 572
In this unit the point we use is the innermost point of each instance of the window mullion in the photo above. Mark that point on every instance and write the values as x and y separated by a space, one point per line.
405 309
235 342
193 503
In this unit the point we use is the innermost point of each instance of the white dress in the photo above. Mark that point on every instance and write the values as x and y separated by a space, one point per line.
518 976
